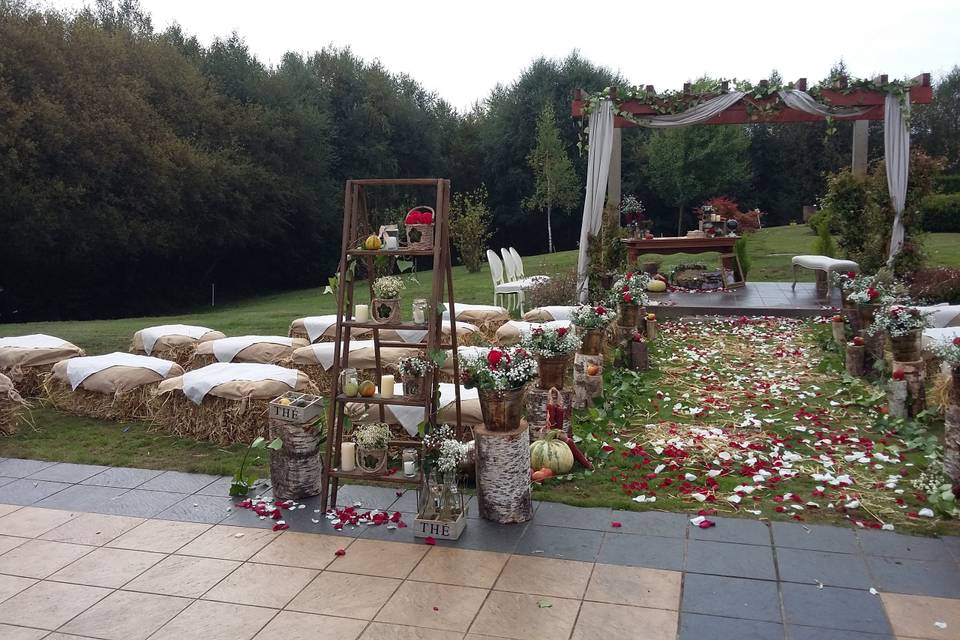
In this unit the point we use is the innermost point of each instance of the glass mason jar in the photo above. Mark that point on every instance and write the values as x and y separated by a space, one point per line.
410 463
420 311
349 382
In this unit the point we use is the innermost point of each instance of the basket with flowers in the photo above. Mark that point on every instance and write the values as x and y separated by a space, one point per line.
552 348
501 378
591 322
385 302
629 293
419 224
413 373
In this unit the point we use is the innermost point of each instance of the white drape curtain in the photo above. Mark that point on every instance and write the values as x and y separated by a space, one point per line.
802 101
896 150
700 113
600 134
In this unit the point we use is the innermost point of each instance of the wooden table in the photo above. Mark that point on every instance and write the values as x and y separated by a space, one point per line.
668 246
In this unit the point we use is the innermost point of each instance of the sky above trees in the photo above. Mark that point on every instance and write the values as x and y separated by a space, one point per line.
462 50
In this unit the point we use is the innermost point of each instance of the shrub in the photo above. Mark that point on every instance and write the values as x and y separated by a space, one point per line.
824 246
560 290
932 286
948 184
941 212
470 227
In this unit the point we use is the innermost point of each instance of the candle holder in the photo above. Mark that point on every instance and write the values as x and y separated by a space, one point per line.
410 458
419 308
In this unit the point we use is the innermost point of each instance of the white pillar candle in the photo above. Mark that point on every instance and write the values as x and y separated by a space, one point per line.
361 313
348 456
386 386
409 468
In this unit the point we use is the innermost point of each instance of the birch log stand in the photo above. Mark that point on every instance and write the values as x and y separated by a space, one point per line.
503 475
536 409
296 469
586 387
915 375
855 358
897 398
951 430
839 331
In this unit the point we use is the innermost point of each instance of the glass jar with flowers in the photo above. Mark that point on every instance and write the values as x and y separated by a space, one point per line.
552 348
413 374
500 377
591 323
385 302
633 216
904 326
440 497
372 439
629 293
419 226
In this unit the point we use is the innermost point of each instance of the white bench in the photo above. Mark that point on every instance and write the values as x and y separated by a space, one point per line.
825 264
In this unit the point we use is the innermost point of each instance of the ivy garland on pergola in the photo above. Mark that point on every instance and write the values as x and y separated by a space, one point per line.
716 102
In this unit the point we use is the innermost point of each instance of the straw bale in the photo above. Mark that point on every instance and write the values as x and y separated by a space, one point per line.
12 406
178 348
261 352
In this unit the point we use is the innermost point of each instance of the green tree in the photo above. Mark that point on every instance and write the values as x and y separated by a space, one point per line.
936 126
556 184
688 164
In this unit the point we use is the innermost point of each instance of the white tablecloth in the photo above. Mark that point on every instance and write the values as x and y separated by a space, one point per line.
226 349
410 417
79 369
150 335
199 382
33 341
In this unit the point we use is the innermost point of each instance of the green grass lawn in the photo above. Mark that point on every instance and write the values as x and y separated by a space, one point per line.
57 436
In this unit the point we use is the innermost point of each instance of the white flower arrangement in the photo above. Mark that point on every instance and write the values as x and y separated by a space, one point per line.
452 454
630 289
550 343
388 287
898 321
587 317
949 352
499 369
375 435
414 366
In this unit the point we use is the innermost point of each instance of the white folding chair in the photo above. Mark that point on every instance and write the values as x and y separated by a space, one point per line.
509 268
518 275
512 292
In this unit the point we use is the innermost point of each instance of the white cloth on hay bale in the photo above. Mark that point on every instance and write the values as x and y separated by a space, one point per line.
81 368
322 353
35 350
150 335
198 383
477 313
418 335
511 332
410 417
942 315
550 312
226 349
317 327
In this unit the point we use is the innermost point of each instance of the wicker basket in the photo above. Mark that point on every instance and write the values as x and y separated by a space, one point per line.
385 311
420 236
372 462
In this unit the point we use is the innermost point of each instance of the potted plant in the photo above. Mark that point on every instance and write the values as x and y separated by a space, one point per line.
419 226
591 323
629 293
904 326
501 378
552 349
385 302
413 374
372 439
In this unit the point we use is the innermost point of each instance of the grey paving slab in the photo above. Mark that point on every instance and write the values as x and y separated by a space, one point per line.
125 478
815 633
198 508
179 482
695 626
141 504
219 487
367 497
4 481
484 535
407 503
384 532
832 569
642 551
731 597
917 577
79 497
834 608
23 491
67 472
725 559
733 530
895 545
816 537
17 468
560 542
953 544
651 523
563 515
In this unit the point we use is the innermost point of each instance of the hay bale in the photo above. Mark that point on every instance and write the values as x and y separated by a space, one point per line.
177 347
119 393
263 350
231 412
12 406
510 333
28 359
299 329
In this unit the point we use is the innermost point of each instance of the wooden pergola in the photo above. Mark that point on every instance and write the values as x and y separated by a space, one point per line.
750 110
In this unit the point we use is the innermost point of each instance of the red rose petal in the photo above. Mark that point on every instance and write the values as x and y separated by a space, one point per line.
615 525
429 540
280 527
340 552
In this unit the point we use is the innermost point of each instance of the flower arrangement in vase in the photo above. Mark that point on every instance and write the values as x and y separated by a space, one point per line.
372 439
419 226
591 322
904 326
629 293
385 302
413 374
552 347
633 216
501 378
440 496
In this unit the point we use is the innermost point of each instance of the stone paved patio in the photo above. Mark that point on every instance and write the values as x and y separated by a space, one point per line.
110 553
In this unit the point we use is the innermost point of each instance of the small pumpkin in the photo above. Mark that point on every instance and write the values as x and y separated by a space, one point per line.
552 453
656 286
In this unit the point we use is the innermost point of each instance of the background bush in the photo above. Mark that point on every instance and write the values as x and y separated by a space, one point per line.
470 227
941 212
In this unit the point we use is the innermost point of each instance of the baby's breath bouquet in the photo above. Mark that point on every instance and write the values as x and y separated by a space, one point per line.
388 287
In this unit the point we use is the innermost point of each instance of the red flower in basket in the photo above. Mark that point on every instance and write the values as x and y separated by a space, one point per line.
561 331
494 357
601 311
418 217
851 274
956 341
872 293
627 298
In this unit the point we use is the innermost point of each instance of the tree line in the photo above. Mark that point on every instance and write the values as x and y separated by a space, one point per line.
138 167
